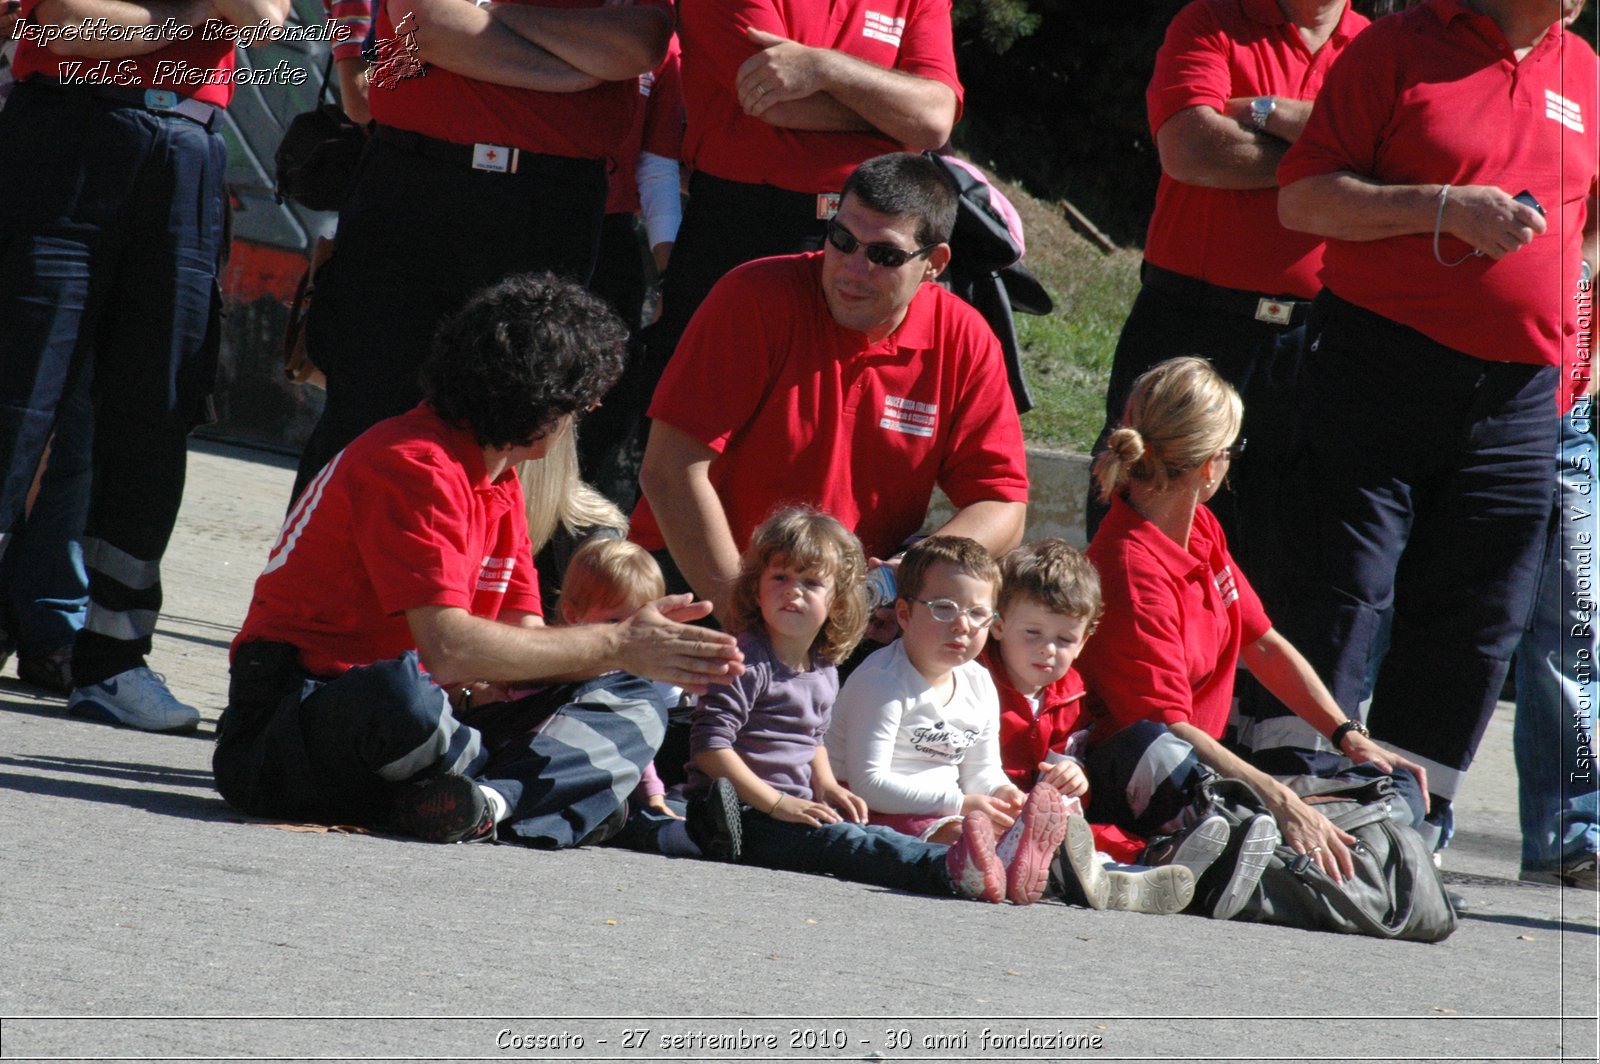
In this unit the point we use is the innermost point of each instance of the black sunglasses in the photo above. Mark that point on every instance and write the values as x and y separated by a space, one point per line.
886 255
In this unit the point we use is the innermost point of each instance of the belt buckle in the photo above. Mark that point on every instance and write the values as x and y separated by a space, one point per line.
1274 311
827 205
160 100
495 158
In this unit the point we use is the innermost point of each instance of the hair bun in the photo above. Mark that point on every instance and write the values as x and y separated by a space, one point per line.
1127 444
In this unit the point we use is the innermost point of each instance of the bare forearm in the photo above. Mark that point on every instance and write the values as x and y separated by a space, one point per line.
675 478
1289 677
1226 763
997 525
1200 146
466 39
817 113
1286 122
916 112
460 648
607 43
134 14
1350 207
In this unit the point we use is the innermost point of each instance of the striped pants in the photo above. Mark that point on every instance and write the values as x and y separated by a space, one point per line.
339 750
1145 780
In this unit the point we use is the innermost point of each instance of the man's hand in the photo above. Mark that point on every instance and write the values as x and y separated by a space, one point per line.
1490 220
782 71
655 644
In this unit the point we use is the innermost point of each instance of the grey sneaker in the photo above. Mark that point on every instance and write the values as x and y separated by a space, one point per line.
1158 891
1258 838
137 698
1195 848
1580 873
1075 874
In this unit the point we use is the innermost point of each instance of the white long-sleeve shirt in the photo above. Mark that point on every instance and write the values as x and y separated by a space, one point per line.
901 750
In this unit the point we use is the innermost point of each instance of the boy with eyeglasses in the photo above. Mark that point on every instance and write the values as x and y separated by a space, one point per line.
916 728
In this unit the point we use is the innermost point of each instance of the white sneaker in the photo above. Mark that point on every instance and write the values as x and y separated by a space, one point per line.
137 698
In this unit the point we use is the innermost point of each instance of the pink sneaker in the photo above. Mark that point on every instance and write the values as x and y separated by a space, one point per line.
1027 848
974 869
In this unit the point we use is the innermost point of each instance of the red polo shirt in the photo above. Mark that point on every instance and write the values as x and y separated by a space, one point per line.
1174 623
1216 50
196 68
913 36
403 517
657 129
463 110
802 410
1435 95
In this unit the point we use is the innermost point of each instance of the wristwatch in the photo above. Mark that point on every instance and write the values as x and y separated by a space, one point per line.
1337 738
1261 109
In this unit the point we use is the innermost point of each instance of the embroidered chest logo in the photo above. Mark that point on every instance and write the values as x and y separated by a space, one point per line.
1563 110
495 576
885 28
1226 587
908 416
942 741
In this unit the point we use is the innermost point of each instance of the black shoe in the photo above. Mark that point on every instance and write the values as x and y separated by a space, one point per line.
608 829
1253 845
1195 848
50 672
445 809
715 824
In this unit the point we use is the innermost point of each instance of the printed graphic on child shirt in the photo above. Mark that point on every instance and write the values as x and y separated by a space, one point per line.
942 741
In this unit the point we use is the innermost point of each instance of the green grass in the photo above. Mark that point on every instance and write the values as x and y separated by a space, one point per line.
1067 354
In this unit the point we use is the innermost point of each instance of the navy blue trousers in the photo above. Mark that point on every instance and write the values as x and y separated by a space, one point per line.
111 232
1421 479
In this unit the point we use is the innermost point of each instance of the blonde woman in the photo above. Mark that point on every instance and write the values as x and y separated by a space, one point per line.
1179 615
563 512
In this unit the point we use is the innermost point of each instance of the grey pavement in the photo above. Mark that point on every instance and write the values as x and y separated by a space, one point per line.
142 918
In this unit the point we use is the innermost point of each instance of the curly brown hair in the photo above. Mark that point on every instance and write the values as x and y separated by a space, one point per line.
808 540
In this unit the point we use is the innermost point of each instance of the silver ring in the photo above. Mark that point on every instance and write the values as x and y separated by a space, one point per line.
1316 849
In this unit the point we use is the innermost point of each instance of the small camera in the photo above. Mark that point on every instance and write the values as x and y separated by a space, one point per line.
1526 198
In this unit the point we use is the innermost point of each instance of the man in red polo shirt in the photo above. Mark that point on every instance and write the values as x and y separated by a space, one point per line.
842 379
488 159
1451 164
111 232
783 99
1223 279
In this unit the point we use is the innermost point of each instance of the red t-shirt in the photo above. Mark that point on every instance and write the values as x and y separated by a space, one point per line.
802 410
1174 623
913 36
200 67
1435 95
463 110
657 129
403 517
1216 50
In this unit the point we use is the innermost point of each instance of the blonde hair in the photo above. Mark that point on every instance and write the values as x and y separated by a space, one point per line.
807 540
1180 413
556 497
1052 574
605 573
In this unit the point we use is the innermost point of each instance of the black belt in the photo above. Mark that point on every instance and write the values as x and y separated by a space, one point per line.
1274 310
490 158
156 101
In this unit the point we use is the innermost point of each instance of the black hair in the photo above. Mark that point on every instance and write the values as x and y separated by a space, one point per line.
904 183
521 354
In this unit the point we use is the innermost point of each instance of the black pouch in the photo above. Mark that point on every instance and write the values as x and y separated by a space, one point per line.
316 160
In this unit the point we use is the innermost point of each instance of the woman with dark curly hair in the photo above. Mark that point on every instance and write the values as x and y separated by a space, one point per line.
401 593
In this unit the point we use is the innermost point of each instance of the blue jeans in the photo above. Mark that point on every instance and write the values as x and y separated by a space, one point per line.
42 580
1553 737
110 237
859 853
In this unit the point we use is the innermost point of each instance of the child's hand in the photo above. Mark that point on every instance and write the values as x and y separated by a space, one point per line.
846 801
658 803
793 810
1066 777
999 811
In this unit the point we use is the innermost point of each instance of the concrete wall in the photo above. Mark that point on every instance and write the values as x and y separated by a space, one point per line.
1058 485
